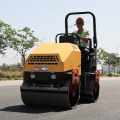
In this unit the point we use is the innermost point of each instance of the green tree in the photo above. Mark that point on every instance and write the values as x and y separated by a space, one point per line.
111 59
106 58
4 65
5 35
118 63
17 65
102 56
114 60
22 41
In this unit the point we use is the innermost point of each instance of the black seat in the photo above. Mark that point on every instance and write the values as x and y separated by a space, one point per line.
69 39
91 50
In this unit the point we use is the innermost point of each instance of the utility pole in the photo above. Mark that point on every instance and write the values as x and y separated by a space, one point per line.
118 61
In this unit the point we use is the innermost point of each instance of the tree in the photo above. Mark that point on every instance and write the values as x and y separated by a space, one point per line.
22 41
118 63
106 58
114 61
4 65
111 60
16 65
101 56
5 35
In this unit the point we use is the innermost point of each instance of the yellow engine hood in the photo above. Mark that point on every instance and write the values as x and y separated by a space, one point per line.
60 57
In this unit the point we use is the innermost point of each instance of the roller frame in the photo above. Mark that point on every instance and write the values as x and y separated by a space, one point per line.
47 96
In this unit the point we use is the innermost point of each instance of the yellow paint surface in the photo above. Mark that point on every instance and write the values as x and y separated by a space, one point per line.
60 57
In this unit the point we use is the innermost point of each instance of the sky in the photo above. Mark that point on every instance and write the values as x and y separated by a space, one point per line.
47 18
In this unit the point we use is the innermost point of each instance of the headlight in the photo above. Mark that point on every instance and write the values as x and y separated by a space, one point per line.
52 71
32 76
31 71
53 76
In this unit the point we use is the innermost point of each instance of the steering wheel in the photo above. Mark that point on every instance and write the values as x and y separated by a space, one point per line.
77 38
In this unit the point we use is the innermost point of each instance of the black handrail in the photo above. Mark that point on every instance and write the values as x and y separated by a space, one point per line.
67 34
94 25
58 35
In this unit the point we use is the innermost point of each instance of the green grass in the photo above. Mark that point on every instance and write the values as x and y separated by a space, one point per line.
10 74
107 75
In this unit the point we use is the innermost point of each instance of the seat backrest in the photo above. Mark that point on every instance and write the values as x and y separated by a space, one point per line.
69 39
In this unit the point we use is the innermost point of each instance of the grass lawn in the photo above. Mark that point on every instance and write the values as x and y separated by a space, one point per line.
10 75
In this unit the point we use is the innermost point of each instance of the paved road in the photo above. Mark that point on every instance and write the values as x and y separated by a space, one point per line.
106 108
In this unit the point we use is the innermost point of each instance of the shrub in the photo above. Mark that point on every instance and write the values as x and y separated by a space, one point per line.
8 76
101 74
110 75
2 75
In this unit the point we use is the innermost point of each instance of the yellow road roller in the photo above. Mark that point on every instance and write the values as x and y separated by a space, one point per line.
54 76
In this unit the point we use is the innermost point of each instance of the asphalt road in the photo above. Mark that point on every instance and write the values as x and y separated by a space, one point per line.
106 108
